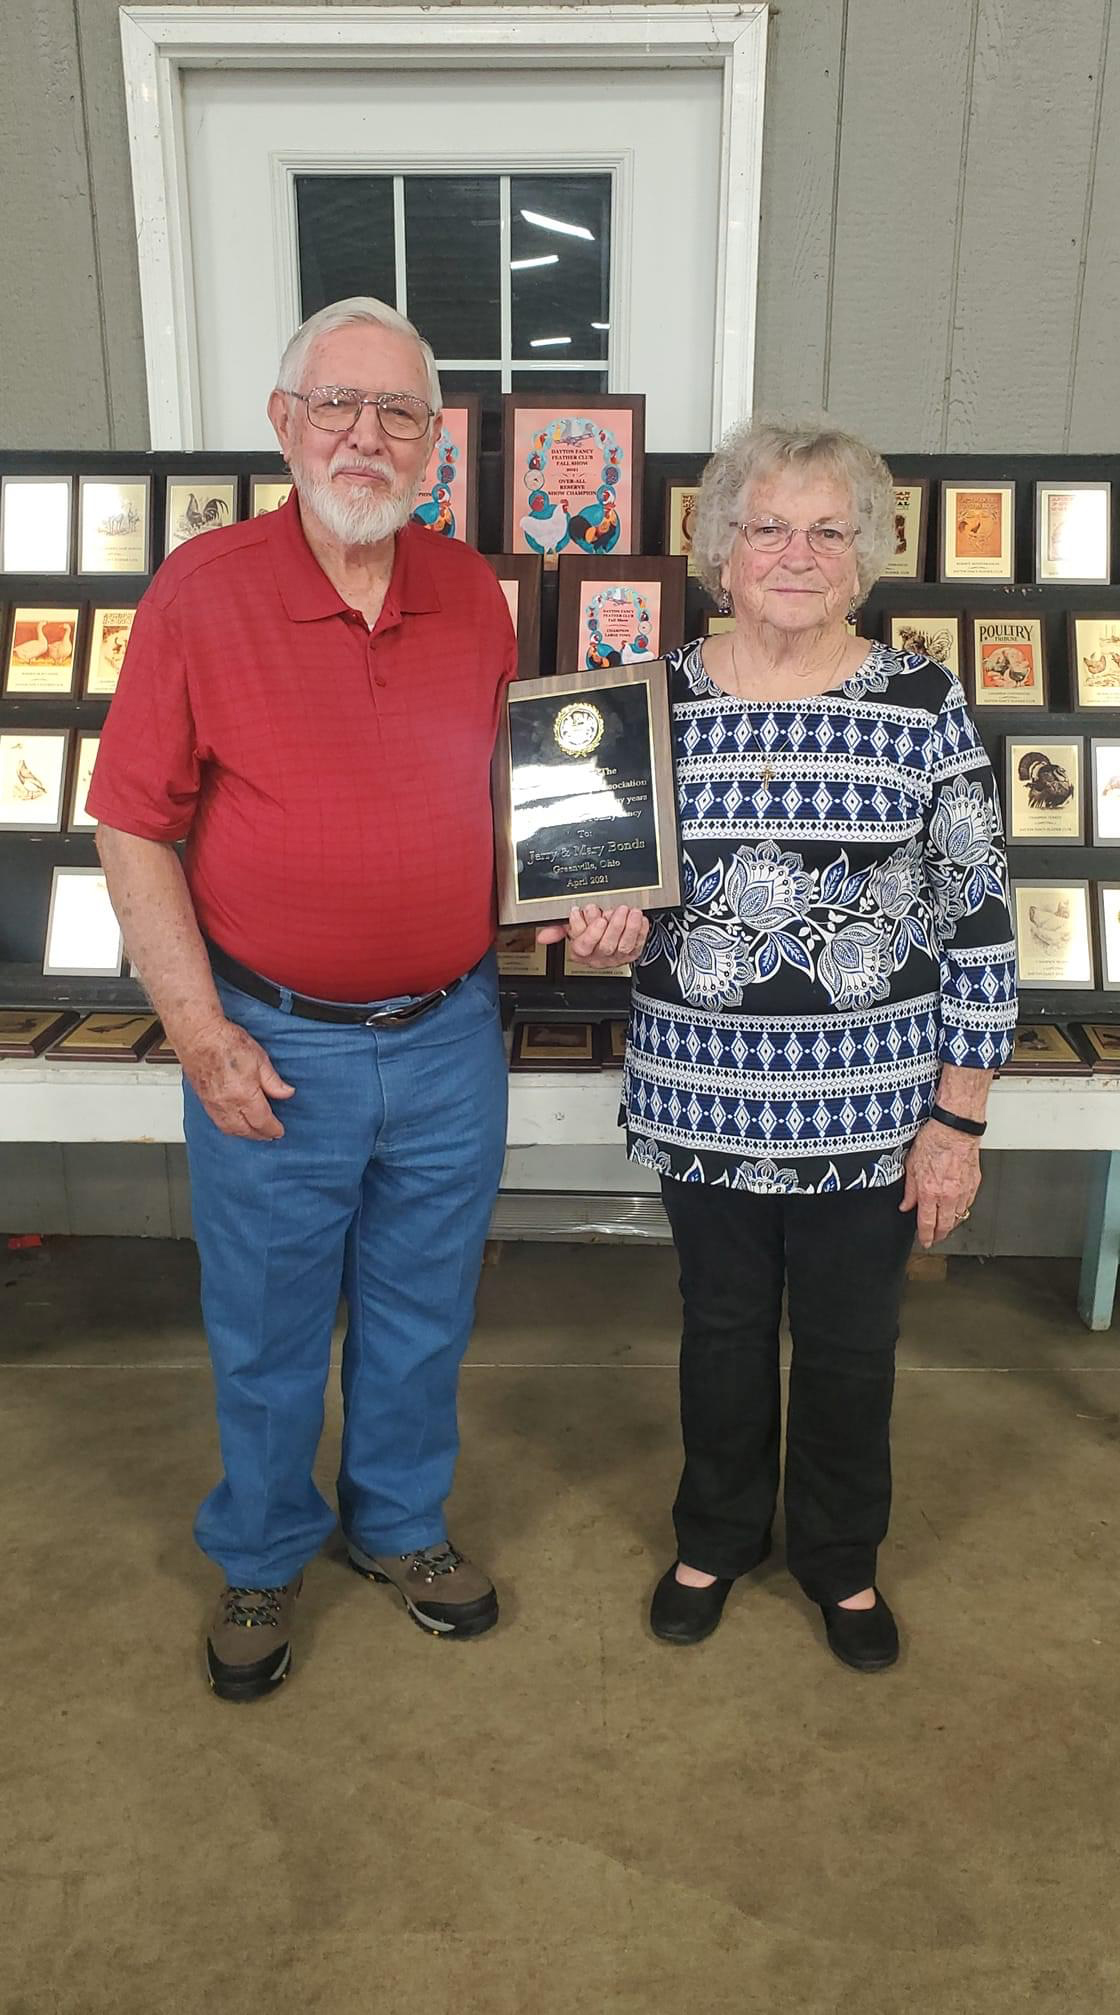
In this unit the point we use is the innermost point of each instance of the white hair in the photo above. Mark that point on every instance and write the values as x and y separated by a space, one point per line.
757 448
341 315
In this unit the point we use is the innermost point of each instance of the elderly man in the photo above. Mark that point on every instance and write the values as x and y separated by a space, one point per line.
310 701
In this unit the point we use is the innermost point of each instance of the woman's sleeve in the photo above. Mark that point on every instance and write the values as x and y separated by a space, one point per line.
966 869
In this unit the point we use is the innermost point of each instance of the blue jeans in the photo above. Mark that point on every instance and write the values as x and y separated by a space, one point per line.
381 1189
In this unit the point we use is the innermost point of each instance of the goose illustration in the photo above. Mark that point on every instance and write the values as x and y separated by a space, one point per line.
35 647
62 650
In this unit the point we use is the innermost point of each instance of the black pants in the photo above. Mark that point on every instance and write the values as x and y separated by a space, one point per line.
843 1259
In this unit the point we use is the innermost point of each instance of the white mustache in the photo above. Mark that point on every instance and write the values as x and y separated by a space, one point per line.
370 465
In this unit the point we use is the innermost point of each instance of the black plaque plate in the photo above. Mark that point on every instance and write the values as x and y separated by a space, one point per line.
584 795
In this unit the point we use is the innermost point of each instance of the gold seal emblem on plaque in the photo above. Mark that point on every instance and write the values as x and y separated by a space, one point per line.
578 728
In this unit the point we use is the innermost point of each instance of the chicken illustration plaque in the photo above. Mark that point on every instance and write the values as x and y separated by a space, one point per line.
618 612
110 630
41 653
573 474
1053 933
447 502
1008 662
200 505
1094 658
977 532
584 794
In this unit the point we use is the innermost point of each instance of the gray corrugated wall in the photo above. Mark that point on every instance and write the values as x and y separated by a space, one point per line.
940 251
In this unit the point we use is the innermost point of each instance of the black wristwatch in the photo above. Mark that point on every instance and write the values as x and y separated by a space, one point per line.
958 1122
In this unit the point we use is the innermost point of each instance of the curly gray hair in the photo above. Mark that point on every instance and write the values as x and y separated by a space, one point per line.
759 447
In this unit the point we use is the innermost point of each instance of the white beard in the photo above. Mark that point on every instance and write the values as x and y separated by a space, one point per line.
359 519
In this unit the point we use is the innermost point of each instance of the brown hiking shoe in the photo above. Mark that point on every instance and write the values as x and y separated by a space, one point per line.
443 1593
248 1648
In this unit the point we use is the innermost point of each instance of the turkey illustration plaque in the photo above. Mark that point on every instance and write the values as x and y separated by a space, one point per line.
573 473
584 794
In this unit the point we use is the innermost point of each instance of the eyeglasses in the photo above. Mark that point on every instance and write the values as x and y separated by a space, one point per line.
337 408
772 535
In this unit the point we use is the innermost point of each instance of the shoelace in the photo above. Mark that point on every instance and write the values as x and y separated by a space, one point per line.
431 1561
254 1608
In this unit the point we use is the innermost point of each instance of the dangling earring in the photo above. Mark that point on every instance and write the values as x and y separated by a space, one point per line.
852 607
723 602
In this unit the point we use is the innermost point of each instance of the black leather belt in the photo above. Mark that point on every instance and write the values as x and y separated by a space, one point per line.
249 982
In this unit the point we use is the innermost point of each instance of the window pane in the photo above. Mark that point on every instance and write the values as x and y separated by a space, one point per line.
563 299
585 382
452 259
477 380
345 239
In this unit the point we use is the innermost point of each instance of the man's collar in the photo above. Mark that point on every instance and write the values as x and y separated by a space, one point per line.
308 595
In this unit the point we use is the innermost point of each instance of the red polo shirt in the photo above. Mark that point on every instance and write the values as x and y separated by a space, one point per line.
332 783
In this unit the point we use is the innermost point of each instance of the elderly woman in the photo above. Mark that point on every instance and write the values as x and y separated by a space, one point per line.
814 1031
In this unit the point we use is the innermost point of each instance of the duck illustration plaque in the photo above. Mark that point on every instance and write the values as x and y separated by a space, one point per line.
584 794
447 501
573 474
41 653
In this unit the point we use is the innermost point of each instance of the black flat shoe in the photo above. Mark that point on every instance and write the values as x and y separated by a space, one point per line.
865 1639
683 1615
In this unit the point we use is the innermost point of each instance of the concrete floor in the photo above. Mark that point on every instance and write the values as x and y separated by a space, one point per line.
566 1816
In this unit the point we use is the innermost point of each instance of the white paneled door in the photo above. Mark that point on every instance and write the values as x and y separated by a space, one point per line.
558 226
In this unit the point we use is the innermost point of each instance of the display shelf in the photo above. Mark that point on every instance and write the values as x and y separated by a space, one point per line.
46 1100
26 859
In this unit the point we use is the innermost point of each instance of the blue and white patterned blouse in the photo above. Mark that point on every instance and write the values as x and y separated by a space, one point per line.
845 929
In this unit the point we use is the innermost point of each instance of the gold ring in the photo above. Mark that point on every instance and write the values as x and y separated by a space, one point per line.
962 1215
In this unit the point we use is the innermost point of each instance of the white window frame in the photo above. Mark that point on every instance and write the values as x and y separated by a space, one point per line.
618 165
160 43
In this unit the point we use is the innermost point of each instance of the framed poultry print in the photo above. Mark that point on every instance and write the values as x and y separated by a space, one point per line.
908 559
1008 661
618 612
35 524
1072 528
447 501
199 505
1094 660
573 473
519 578
109 633
114 524
977 532
32 770
41 654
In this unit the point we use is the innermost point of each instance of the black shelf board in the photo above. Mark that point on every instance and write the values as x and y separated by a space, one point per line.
24 985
